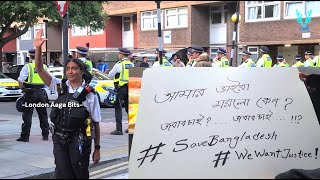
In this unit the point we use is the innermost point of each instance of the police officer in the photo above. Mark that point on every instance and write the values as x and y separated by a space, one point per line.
165 62
32 84
316 60
120 72
72 132
308 61
220 60
298 59
299 62
265 59
82 54
246 60
189 57
281 62
195 52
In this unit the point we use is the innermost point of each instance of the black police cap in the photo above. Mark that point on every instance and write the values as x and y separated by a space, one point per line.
308 53
20 103
264 49
222 51
197 49
163 51
32 51
280 57
246 53
82 50
297 57
124 51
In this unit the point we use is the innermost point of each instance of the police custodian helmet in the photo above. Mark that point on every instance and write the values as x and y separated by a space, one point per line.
111 97
20 103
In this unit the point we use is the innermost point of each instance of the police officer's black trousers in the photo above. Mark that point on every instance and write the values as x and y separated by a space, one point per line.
122 95
35 97
70 164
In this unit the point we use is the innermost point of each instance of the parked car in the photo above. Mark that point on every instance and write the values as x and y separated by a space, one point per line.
14 71
100 82
9 88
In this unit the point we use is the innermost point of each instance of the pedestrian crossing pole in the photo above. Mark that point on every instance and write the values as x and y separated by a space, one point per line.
65 37
160 39
62 7
235 18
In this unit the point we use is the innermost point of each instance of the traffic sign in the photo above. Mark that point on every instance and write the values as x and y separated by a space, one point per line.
62 7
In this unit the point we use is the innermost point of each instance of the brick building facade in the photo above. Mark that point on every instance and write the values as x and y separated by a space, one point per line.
186 23
278 29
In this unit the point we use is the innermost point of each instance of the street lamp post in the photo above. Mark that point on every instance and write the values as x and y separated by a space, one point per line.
160 40
234 18
46 32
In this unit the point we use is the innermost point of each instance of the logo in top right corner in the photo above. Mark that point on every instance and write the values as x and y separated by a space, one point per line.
307 20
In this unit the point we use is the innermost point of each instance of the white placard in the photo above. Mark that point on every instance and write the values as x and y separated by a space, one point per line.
306 35
223 123
167 37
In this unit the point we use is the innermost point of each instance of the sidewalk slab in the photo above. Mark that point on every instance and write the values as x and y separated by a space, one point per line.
34 159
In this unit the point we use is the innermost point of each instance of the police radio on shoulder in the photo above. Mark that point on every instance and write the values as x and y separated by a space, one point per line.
82 92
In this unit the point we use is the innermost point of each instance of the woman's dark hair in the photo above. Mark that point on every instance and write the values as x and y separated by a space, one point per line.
86 74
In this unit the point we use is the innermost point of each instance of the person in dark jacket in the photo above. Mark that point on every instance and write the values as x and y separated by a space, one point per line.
144 63
312 83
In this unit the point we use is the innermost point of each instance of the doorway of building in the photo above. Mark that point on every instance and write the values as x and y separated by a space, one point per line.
127 32
218 25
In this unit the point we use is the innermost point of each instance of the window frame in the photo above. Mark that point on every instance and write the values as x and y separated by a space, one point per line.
129 20
22 37
262 11
294 17
99 32
254 53
223 12
152 16
177 17
79 34
36 27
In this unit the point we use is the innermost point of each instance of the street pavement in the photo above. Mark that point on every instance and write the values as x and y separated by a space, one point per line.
20 160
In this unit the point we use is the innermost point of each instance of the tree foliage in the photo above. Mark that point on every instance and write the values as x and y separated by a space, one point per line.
26 13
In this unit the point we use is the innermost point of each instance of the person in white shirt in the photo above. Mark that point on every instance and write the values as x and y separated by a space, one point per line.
75 116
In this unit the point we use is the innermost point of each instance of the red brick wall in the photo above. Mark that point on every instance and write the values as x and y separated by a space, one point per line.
199 25
96 41
112 36
116 5
10 46
180 37
114 31
276 32
135 32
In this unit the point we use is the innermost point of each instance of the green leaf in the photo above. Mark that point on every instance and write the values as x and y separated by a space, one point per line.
81 13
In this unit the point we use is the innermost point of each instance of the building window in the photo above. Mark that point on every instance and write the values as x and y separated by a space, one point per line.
36 29
213 52
303 7
176 18
79 31
96 32
218 15
27 35
126 23
149 20
254 52
262 10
